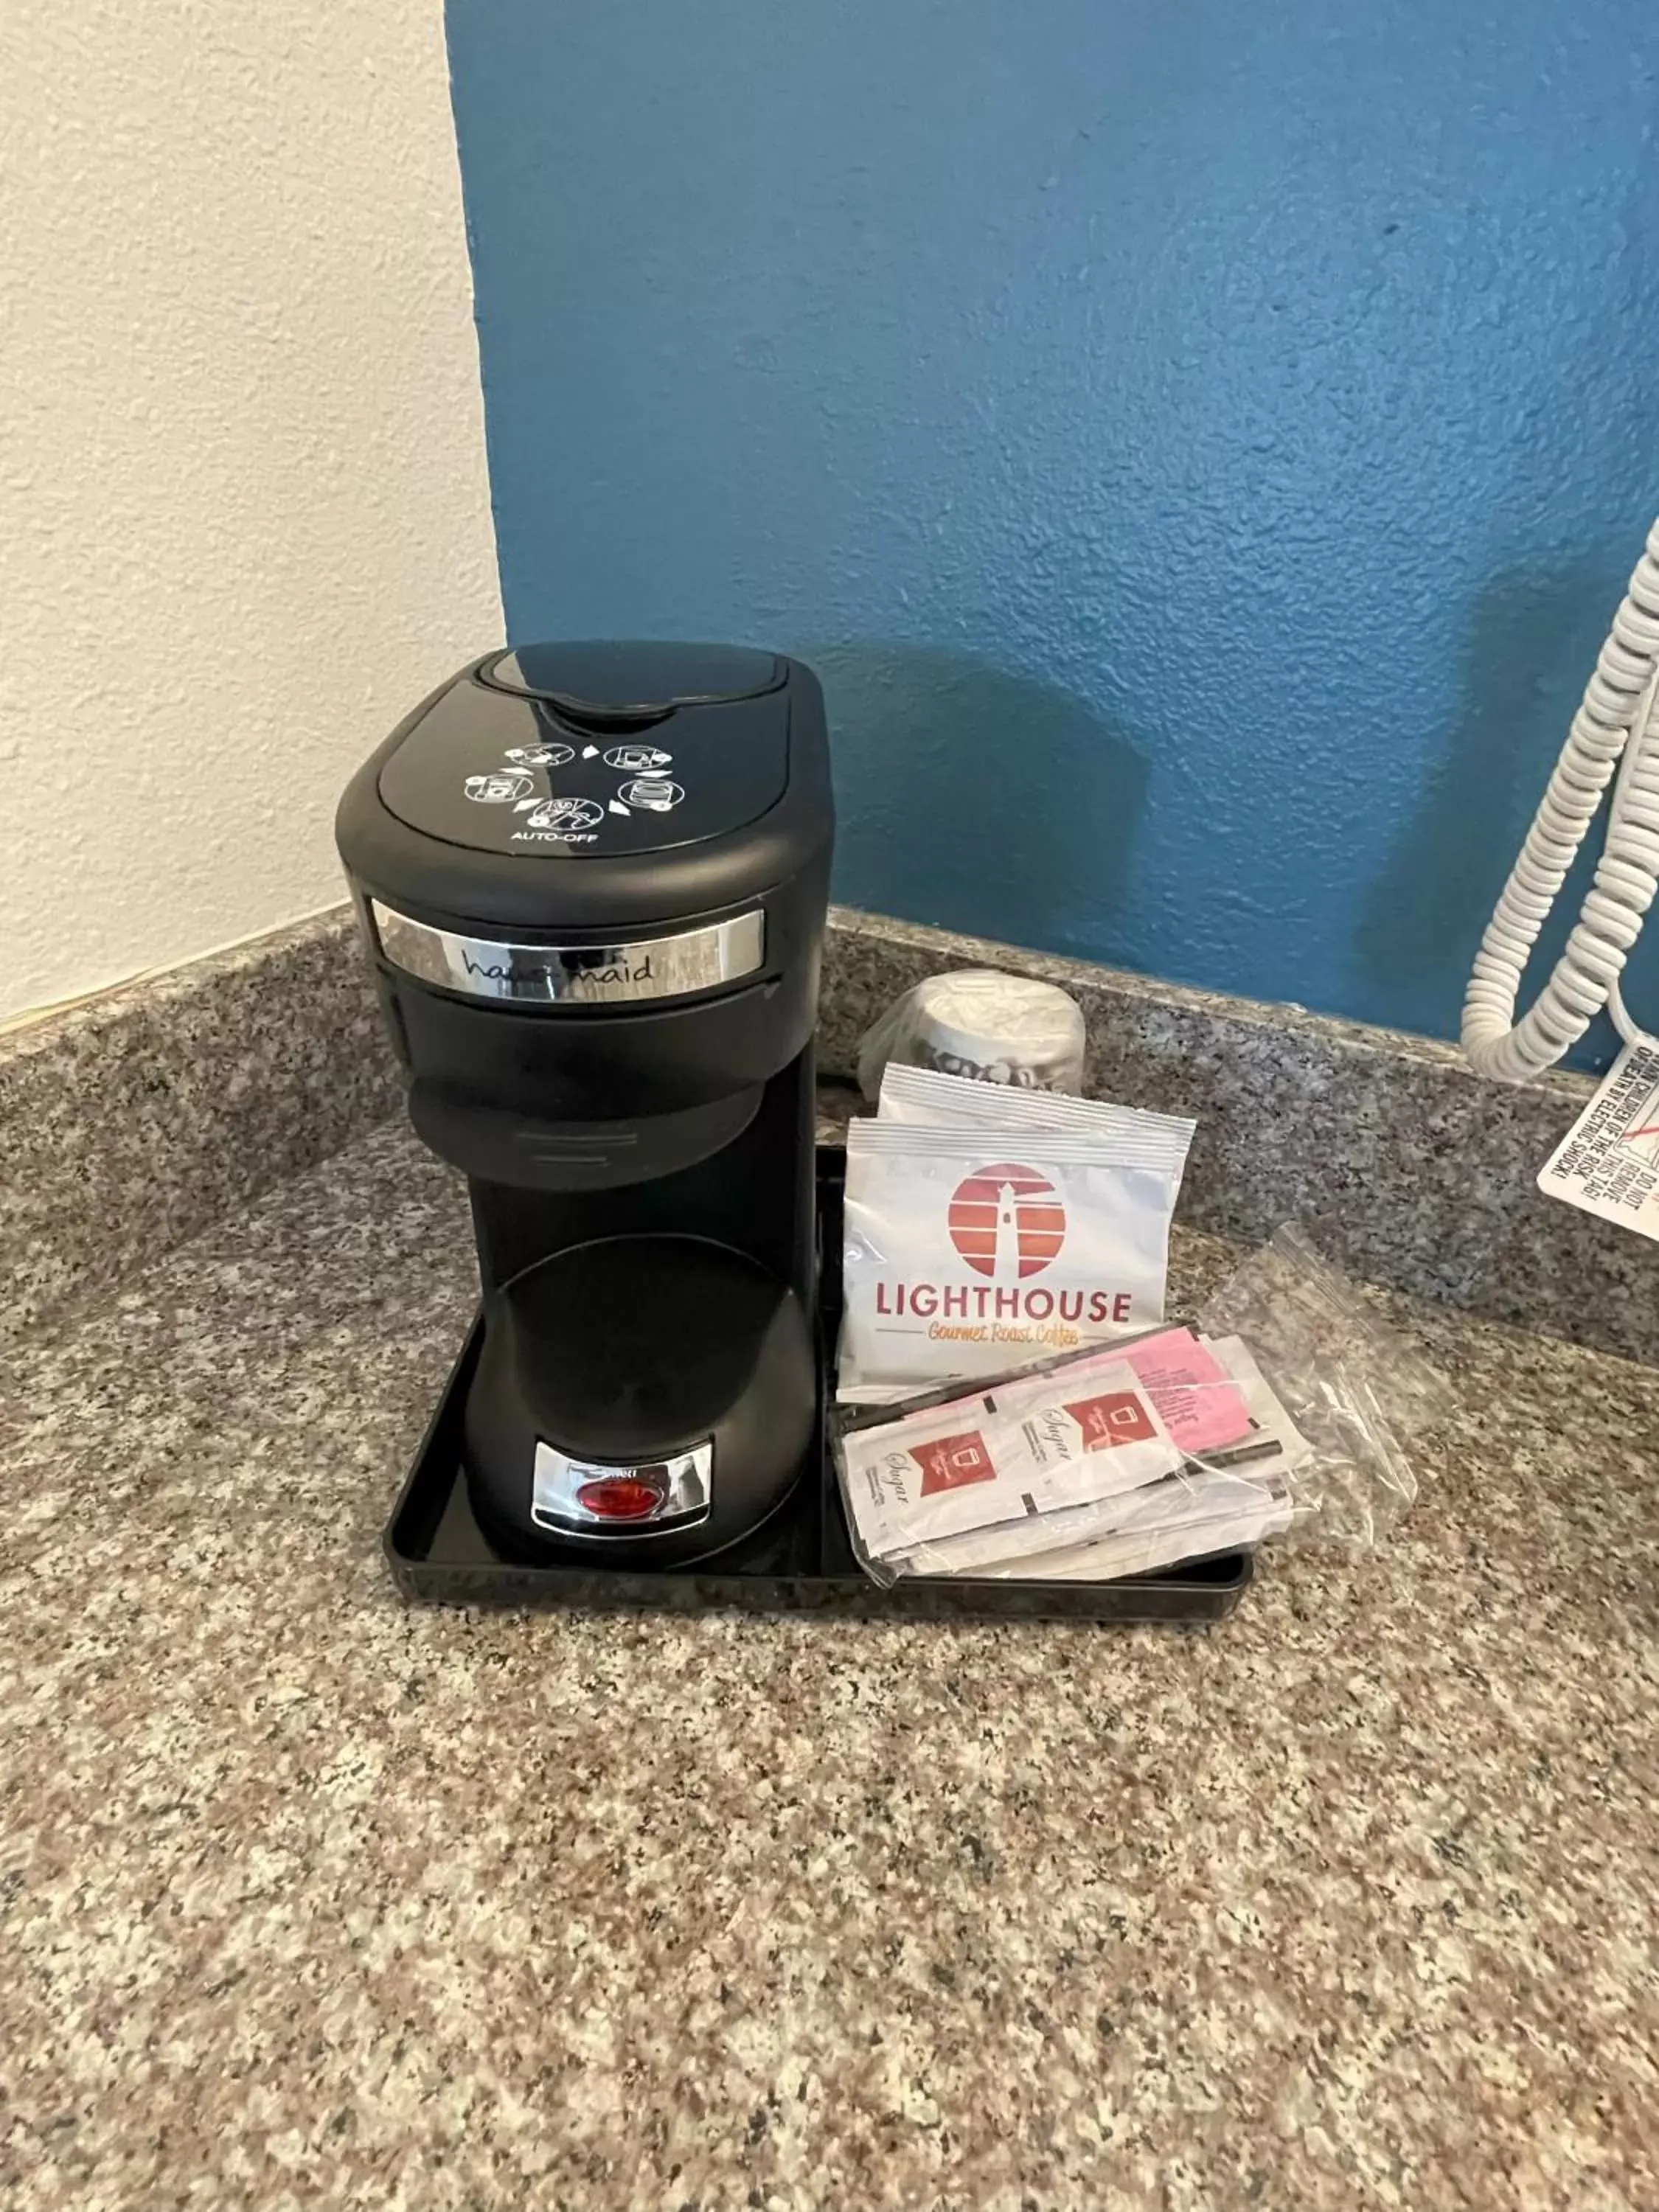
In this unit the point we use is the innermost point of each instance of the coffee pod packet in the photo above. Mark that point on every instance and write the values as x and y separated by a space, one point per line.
928 1099
970 1250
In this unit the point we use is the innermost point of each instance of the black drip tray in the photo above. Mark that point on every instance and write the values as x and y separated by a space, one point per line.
802 1561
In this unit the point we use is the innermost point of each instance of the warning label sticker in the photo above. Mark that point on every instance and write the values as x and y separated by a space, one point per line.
1608 1161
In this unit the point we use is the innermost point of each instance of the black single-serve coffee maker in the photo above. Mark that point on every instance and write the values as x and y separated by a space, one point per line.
593 879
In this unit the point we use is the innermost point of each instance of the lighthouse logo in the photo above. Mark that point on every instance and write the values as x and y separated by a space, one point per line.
1006 1221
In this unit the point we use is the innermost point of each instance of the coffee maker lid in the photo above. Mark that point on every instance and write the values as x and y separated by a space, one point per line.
499 811
603 680
531 778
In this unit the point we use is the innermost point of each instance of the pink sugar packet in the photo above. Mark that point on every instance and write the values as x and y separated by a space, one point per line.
1197 1399
1199 1402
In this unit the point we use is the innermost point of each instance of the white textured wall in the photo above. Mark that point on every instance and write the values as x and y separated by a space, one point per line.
244 519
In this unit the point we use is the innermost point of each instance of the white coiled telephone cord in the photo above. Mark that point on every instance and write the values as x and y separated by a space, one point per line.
1616 716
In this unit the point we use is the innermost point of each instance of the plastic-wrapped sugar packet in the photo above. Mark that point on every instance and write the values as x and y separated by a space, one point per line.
1298 1419
1015 1454
1157 1527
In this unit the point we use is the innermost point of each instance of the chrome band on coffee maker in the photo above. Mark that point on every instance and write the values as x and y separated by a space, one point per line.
582 975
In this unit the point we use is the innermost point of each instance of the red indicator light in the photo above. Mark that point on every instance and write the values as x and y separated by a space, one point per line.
620 1498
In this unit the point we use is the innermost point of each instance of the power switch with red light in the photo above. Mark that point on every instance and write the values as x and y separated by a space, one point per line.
584 1497
624 1497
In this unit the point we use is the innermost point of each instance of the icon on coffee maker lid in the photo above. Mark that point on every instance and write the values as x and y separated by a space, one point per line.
637 758
541 755
565 814
499 789
655 792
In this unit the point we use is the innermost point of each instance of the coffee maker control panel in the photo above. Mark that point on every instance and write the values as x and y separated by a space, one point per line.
572 777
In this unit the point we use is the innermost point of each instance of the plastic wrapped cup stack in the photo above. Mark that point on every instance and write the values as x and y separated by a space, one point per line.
977 1023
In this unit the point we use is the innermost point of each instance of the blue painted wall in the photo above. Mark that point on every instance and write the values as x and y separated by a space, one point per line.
1200 445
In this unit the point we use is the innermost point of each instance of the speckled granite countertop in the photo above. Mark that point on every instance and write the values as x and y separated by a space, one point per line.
312 1900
